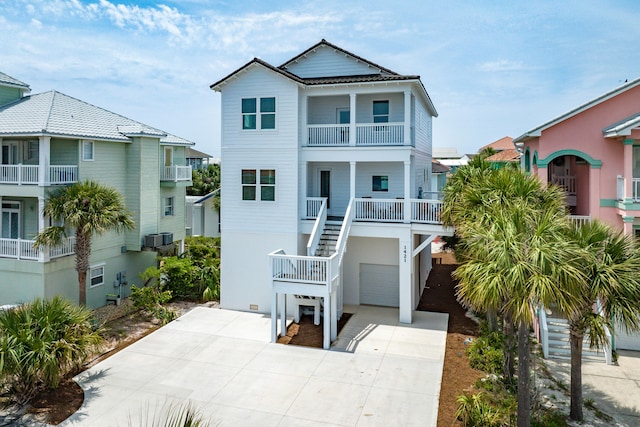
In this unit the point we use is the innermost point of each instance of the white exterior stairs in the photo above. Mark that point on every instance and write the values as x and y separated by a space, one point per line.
559 343
329 239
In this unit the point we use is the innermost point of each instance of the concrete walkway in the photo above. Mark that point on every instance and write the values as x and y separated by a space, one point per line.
379 373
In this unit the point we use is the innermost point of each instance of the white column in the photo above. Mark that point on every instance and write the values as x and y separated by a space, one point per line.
407 117
334 315
305 121
352 180
274 316
283 314
406 287
326 326
407 191
44 152
302 190
352 119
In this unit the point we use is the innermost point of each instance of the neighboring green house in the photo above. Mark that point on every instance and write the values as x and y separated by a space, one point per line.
51 139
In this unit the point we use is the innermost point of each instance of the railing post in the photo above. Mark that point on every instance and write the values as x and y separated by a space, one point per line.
407 118
352 119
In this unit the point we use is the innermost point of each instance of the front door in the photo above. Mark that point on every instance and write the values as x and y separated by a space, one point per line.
9 153
10 220
325 187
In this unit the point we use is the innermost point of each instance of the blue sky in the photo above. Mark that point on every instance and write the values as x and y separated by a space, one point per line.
492 67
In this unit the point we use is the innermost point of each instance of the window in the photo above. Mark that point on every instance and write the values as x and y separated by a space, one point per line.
380 183
87 150
168 206
380 111
33 150
265 118
96 276
267 184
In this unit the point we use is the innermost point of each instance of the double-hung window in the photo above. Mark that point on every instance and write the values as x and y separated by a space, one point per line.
169 207
96 276
87 150
380 111
258 113
264 186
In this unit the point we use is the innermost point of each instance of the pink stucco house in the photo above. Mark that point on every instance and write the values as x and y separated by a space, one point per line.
593 151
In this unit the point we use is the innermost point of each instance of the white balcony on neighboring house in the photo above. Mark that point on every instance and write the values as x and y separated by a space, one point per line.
175 173
30 174
635 189
25 250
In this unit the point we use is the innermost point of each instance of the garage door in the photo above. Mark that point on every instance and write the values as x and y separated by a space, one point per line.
379 285
625 341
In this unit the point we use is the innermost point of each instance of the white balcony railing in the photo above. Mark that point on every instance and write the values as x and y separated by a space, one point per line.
175 173
296 268
380 134
566 182
426 211
313 206
30 175
620 187
379 210
327 135
621 190
580 219
636 189
23 249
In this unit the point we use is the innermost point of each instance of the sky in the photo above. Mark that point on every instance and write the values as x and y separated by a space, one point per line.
492 68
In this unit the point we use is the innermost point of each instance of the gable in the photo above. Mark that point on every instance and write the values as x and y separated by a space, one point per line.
325 61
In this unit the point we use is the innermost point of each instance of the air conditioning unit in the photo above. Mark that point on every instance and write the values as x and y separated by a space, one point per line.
153 240
167 238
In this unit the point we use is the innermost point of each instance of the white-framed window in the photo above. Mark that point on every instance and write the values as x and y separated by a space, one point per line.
380 183
96 276
380 111
258 113
168 206
265 186
87 151
33 150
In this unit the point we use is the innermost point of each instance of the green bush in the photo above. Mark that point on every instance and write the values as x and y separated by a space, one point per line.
476 411
485 352
150 300
41 342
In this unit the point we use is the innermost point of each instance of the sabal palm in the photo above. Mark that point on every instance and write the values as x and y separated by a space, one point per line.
515 254
89 208
611 261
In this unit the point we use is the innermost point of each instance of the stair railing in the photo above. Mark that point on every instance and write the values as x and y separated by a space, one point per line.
544 331
341 244
318 228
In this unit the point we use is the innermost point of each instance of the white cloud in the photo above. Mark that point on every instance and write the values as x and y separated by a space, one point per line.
36 24
501 65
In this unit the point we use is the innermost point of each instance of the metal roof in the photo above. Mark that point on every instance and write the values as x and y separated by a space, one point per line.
623 127
7 80
56 114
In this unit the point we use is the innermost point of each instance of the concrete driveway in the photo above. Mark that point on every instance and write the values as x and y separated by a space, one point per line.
379 372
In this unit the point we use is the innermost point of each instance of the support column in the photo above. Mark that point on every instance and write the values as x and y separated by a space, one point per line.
283 314
326 322
274 317
594 191
44 152
628 168
352 180
627 224
407 191
334 315
352 119
406 287
303 190
407 118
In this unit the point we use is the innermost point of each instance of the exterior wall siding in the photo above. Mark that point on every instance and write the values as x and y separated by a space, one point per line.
364 106
64 151
325 62
9 94
323 110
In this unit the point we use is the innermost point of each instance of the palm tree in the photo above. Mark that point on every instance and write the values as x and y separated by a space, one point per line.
205 180
89 208
611 261
515 256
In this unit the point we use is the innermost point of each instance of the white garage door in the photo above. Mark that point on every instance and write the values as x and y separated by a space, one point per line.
379 285
625 341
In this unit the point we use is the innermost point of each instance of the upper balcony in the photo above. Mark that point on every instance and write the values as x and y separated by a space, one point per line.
365 120
175 173
30 174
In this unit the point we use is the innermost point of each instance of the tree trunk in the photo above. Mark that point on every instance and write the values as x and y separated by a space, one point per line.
524 398
508 347
492 320
575 341
83 252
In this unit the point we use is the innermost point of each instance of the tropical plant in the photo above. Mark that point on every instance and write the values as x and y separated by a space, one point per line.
474 410
173 415
42 341
611 284
150 300
89 208
204 180
514 254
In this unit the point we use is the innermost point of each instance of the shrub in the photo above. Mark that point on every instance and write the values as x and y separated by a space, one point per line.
150 300
485 352
476 411
41 342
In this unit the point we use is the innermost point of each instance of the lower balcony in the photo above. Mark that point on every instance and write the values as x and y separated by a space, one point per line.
24 249
30 174
175 173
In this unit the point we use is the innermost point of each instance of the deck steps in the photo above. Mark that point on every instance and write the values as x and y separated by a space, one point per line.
328 240
559 343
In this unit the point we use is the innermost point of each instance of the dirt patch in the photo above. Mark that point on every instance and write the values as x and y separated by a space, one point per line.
457 375
306 333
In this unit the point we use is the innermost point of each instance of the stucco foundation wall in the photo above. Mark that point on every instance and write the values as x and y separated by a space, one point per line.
365 250
244 259
20 281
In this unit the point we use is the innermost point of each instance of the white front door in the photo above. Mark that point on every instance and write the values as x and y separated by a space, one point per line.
10 220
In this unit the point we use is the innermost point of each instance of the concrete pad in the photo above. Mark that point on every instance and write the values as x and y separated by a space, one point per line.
379 372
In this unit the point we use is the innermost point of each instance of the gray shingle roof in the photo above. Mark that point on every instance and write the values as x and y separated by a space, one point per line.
56 114
7 80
